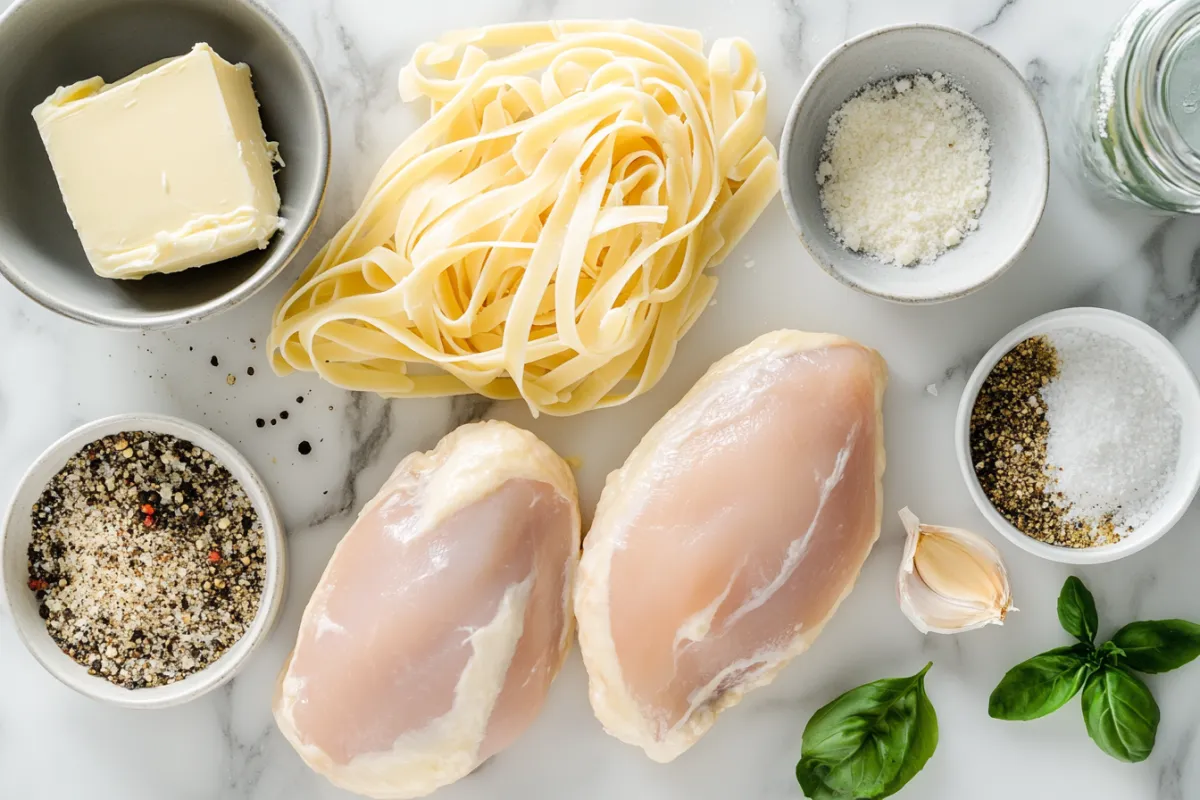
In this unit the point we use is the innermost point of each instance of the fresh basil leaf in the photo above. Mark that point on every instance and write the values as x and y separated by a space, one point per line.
1077 611
1158 645
1043 684
1121 715
869 742
921 742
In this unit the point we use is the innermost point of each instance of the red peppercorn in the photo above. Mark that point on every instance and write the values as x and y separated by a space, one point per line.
38 585
148 521
147 509
214 556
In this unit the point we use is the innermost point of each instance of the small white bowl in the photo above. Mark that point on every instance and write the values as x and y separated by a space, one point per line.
1019 151
23 606
1155 347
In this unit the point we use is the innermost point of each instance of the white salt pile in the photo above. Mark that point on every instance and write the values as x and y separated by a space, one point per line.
1114 429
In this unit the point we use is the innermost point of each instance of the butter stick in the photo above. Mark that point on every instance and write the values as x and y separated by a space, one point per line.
166 169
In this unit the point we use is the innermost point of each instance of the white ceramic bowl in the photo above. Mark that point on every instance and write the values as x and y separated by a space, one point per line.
24 607
1020 159
1160 352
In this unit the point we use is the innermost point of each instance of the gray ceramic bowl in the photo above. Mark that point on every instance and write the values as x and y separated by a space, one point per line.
50 43
1020 159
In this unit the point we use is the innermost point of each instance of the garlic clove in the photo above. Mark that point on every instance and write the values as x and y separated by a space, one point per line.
951 580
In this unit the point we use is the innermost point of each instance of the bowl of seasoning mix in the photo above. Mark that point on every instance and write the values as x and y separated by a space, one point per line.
1078 435
143 560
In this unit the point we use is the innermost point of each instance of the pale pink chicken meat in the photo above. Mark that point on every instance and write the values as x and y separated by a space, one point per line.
731 534
443 616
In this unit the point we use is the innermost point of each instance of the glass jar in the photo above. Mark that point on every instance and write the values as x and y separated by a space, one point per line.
1141 132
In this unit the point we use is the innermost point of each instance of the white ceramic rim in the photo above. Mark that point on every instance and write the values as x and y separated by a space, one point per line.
271 268
234 659
785 143
1174 367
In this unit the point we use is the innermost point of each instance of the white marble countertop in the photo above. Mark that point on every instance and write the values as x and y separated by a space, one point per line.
55 374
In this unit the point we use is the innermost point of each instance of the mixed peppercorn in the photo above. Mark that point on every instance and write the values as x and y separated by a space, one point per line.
147 558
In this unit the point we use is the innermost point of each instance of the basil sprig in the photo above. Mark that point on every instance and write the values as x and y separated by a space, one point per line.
869 742
1120 712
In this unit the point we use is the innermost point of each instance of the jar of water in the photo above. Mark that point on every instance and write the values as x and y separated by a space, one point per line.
1141 131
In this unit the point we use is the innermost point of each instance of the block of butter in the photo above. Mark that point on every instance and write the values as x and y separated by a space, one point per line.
166 169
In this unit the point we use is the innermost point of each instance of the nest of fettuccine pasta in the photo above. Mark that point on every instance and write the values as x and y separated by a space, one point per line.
547 234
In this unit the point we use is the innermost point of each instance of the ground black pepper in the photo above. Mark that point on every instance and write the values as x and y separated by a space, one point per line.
214 361
147 557
250 371
1008 447
299 399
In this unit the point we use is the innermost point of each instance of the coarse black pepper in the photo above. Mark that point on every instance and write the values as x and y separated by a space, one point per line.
260 422
141 573
1008 448
299 399
250 371
214 361
305 448
283 414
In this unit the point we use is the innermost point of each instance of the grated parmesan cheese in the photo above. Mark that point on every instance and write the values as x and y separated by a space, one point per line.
905 169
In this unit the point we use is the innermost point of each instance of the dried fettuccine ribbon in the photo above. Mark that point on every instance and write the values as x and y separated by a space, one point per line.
545 235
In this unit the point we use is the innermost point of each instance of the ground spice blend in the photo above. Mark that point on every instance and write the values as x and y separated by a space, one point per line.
147 559
1008 447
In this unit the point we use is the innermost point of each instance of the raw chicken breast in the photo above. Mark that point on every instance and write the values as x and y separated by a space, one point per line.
731 534
432 638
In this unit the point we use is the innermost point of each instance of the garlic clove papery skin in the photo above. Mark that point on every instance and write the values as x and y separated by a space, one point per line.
951 580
